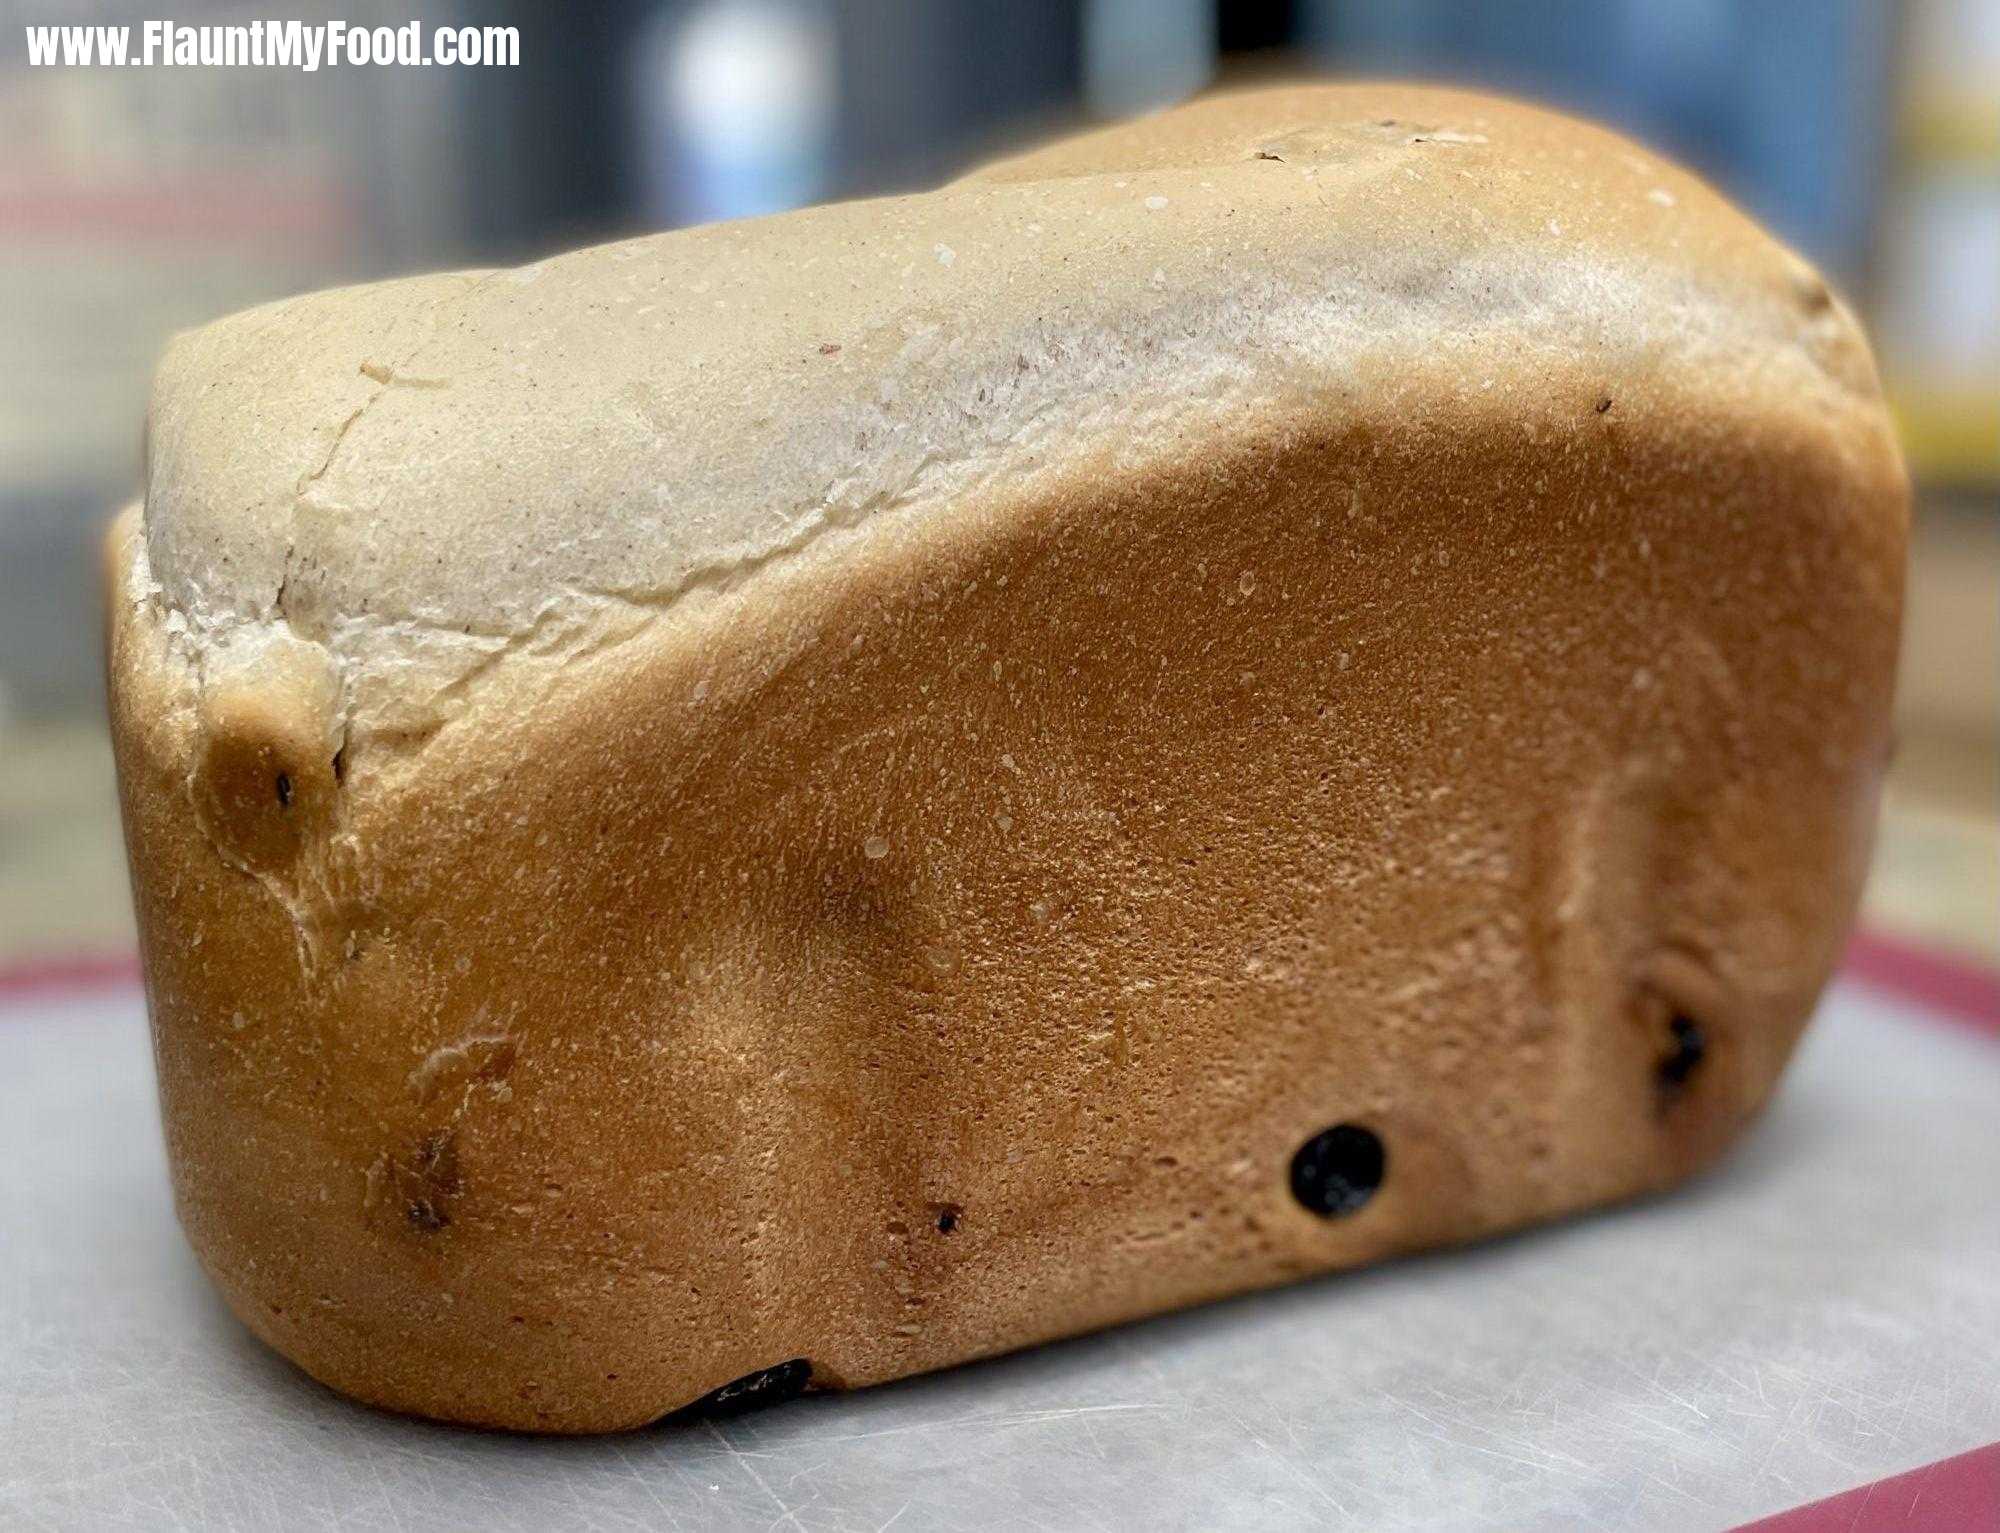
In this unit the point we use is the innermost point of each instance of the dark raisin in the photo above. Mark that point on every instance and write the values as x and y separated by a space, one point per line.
947 1219
1684 1057
1337 1171
284 790
767 1386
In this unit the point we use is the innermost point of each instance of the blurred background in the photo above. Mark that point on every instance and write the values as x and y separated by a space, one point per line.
137 202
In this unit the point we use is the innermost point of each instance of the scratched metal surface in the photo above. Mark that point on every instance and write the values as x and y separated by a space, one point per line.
1823 1311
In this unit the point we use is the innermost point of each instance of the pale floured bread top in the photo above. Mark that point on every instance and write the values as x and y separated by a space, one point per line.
428 477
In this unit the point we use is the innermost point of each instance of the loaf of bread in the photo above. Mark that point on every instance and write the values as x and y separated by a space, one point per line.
796 802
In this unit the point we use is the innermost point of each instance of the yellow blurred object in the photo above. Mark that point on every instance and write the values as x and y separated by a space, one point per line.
1948 121
1950 434
1938 305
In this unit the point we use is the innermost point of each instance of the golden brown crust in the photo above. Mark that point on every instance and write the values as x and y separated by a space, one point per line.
943 940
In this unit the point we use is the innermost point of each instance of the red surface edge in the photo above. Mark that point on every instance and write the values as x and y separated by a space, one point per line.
46 976
1955 987
1954 1495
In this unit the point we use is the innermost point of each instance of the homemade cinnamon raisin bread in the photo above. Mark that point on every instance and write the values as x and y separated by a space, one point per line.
799 801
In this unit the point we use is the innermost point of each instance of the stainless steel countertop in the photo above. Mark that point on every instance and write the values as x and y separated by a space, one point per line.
1822 1311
